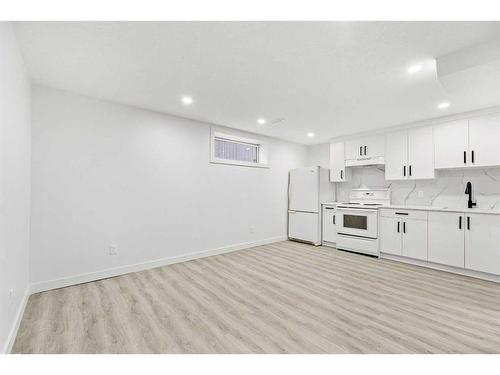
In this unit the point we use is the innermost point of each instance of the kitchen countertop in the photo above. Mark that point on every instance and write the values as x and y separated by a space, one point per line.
445 209
433 208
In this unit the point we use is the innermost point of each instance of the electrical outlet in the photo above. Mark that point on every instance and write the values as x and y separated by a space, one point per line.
113 249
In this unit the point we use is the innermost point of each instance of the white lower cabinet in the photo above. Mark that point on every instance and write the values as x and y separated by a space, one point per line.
414 235
390 235
446 238
482 243
458 239
403 233
329 225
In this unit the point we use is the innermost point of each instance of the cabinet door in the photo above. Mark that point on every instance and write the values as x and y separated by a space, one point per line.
414 239
420 153
329 227
390 235
337 162
396 155
374 146
451 141
484 134
354 149
446 238
482 243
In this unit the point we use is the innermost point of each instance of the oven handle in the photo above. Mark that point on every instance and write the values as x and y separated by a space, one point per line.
355 236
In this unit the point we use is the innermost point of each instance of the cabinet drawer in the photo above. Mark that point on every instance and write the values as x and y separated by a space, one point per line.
403 214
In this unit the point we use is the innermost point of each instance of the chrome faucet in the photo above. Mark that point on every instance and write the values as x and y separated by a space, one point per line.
468 190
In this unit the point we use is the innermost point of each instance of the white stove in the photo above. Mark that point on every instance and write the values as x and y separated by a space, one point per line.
357 220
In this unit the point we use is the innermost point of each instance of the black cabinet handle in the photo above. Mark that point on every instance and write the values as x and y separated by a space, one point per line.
404 170
404 226
460 222
365 150
468 222
409 170
360 150
465 157
402 213
398 226
341 174
472 157
333 219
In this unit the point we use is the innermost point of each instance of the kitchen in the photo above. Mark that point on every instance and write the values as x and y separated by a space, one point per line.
427 194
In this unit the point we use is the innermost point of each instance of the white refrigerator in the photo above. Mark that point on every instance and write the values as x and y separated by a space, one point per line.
307 189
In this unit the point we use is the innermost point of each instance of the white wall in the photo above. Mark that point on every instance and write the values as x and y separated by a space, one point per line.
319 155
14 183
106 174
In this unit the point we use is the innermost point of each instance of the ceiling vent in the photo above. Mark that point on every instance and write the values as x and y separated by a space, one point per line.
277 121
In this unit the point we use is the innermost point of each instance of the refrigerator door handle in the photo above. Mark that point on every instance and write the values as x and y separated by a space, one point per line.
289 193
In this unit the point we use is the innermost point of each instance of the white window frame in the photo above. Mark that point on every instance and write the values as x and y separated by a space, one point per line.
263 149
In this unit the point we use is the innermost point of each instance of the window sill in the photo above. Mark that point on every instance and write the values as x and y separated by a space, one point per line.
239 163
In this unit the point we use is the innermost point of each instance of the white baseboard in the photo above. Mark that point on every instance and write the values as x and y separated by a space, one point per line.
442 267
110 272
19 316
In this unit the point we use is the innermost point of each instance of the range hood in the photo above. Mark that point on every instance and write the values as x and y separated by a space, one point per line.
365 161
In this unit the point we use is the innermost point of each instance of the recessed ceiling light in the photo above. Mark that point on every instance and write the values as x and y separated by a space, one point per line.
414 68
187 100
310 134
261 121
443 105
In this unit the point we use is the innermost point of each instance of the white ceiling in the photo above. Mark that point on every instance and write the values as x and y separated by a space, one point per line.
330 78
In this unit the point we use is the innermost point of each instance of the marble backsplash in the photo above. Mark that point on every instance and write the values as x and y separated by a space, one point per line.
446 190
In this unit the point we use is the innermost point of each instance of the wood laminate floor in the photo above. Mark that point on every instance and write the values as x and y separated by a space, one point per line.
281 298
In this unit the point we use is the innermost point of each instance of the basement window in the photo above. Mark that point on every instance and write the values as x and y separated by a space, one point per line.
236 150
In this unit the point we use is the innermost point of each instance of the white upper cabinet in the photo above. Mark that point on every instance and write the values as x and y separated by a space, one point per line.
365 150
396 155
338 171
409 154
451 144
420 153
415 153
484 136
467 143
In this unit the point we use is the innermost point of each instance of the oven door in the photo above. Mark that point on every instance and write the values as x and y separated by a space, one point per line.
359 222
